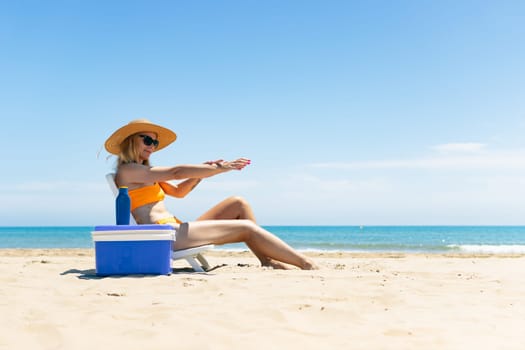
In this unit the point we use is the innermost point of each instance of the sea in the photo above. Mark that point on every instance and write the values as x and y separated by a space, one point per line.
396 239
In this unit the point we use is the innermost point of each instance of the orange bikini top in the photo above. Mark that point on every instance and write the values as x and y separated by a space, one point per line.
145 195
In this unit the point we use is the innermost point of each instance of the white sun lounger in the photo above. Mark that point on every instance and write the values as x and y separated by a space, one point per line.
192 255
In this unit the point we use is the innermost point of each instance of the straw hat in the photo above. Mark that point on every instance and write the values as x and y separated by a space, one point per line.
165 136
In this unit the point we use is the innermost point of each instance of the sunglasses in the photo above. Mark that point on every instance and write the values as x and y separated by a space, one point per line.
148 141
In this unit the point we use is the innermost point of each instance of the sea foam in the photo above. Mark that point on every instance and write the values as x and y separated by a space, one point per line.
490 249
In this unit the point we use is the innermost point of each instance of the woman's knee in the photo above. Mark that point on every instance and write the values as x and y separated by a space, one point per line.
241 206
239 201
245 225
250 229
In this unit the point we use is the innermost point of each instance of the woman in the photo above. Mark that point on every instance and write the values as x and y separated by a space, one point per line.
230 221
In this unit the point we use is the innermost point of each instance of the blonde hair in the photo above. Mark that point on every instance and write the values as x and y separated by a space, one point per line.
129 151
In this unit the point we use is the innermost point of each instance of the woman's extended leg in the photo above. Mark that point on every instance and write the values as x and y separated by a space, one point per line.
260 241
238 208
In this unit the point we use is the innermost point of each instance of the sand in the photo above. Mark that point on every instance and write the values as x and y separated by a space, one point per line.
52 299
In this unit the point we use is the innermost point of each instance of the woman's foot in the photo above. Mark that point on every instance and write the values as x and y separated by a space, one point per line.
275 264
309 265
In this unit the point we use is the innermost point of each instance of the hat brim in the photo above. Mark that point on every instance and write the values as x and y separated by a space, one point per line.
164 135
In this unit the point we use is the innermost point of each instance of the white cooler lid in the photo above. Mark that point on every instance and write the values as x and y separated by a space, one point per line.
133 233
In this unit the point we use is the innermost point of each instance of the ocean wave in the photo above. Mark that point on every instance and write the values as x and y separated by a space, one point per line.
489 249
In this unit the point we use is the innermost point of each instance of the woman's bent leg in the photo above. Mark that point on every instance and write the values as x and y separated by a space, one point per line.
238 208
261 242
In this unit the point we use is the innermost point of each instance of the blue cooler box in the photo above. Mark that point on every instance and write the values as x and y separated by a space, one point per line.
133 249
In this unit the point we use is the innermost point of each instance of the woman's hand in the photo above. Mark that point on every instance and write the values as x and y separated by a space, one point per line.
237 164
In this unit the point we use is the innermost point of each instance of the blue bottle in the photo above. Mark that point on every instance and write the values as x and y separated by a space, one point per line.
123 206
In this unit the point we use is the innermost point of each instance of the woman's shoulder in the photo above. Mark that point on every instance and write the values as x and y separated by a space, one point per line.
131 173
131 166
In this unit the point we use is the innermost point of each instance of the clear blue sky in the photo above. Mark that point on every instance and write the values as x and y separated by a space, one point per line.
353 112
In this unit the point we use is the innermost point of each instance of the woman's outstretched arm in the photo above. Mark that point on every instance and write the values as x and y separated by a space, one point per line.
136 173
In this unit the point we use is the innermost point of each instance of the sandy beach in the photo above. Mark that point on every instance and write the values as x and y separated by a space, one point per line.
52 299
